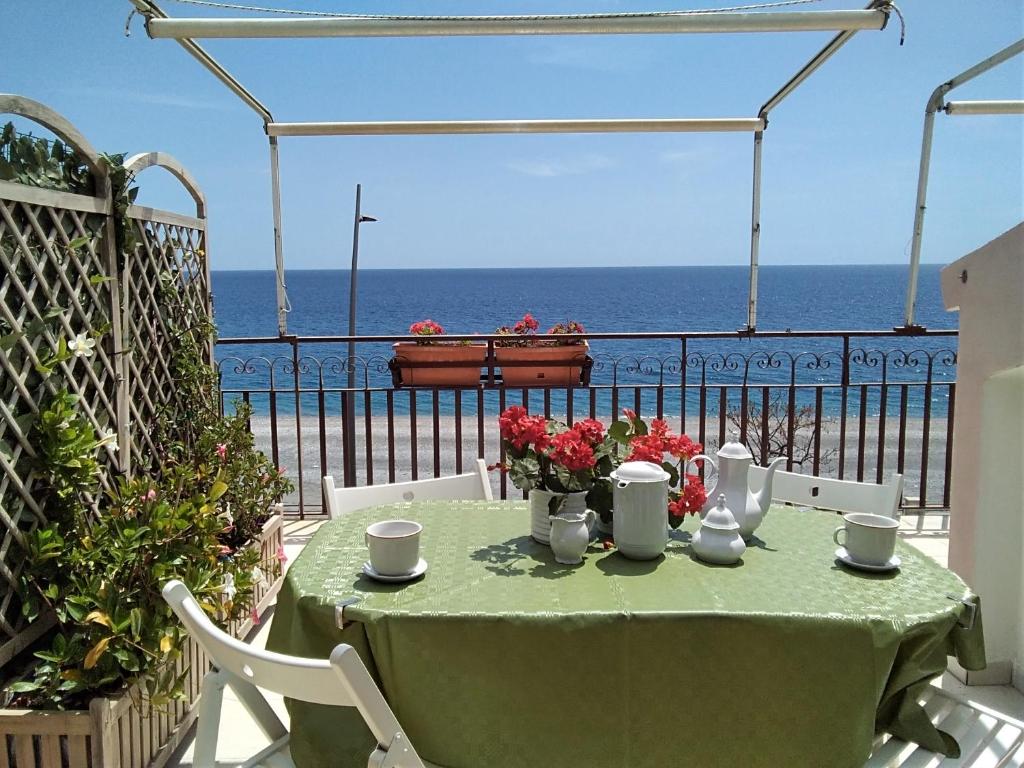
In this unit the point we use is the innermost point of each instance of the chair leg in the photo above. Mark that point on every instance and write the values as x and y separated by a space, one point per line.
258 708
211 699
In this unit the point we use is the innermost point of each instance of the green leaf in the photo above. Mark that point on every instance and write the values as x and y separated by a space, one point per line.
619 432
24 686
217 490
78 242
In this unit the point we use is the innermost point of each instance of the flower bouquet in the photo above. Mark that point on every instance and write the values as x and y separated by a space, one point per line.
653 443
562 468
432 361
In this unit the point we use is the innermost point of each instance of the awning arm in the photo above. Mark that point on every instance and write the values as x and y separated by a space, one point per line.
993 107
562 24
452 127
936 103
882 7
152 12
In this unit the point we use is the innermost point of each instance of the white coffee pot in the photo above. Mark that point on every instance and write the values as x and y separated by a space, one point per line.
749 508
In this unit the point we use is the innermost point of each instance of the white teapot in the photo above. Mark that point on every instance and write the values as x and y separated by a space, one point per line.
733 463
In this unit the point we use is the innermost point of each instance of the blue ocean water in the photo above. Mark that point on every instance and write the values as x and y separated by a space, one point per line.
670 299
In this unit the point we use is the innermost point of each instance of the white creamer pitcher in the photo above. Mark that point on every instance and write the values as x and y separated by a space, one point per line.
640 499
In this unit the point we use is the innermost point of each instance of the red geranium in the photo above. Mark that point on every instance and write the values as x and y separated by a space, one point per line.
426 328
652 444
526 325
572 452
590 430
522 430
547 455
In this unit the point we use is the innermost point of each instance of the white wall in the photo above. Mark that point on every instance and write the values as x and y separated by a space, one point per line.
987 486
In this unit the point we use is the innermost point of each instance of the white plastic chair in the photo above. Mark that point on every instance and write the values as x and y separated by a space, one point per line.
828 493
342 681
471 486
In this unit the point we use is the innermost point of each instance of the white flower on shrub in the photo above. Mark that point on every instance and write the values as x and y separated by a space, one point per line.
109 439
82 345
228 589
226 515
257 576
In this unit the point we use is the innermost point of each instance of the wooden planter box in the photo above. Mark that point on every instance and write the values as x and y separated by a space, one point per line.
437 365
120 733
563 366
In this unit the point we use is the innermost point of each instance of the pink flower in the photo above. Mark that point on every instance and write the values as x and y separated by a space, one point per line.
629 413
281 470
225 549
255 615
281 556
222 451
150 495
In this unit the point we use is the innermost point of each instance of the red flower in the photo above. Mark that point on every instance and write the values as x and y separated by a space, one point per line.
527 325
426 328
608 544
682 447
570 451
629 413
692 497
646 448
521 430
659 427
590 430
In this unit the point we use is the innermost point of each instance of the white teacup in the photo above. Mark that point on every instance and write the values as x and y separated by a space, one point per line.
394 546
869 539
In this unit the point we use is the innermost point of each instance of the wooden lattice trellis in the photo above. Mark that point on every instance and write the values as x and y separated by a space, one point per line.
62 277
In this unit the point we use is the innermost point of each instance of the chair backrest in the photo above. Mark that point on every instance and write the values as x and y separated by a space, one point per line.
471 486
291 676
342 681
829 493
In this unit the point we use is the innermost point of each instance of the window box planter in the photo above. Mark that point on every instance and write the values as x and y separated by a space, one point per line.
119 732
437 365
564 366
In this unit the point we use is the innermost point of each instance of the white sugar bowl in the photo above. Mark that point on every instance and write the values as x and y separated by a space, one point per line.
718 540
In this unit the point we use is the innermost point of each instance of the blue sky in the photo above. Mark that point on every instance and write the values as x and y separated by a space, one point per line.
840 157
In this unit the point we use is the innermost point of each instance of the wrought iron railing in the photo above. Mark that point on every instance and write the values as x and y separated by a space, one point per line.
850 404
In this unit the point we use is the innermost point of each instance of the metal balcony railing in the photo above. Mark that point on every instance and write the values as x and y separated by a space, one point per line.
849 404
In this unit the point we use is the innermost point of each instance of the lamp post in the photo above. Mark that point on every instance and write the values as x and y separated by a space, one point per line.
350 421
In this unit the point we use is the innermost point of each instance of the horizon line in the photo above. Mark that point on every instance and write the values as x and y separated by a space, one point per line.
639 266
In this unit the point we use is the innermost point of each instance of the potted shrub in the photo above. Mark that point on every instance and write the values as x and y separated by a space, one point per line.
562 468
430 362
527 361
115 682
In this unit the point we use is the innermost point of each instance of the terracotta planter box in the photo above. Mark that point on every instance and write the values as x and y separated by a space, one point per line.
558 366
119 733
437 365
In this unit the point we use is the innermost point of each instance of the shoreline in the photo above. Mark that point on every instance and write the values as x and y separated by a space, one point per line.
441 454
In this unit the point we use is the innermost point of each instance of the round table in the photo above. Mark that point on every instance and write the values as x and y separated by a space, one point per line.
499 657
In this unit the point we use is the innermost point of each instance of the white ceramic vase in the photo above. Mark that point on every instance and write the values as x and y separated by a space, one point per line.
541 509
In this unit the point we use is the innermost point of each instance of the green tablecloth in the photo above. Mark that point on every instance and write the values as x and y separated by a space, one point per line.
499 657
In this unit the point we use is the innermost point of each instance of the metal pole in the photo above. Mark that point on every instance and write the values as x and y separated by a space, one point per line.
755 233
451 127
352 292
611 24
919 208
283 306
935 103
994 107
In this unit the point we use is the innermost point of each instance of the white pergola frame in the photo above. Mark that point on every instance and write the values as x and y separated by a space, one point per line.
186 30
936 103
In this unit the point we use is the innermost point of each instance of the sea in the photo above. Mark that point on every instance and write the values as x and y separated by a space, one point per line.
627 299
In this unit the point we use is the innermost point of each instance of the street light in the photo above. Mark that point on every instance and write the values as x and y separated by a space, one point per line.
350 421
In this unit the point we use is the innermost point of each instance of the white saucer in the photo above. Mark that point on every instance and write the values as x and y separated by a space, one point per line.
415 573
844 557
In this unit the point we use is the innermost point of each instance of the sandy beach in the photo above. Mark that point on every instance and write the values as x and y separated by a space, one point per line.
440 453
